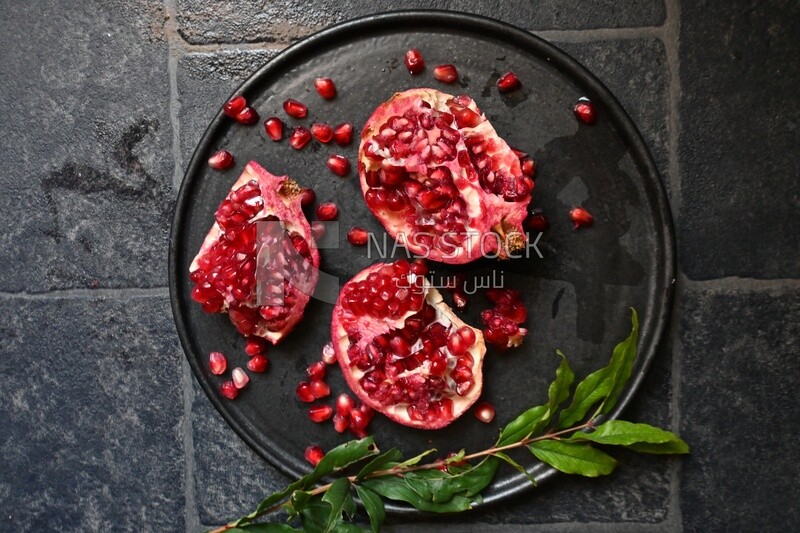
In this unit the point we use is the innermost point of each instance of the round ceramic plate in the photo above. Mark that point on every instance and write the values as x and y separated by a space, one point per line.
578 293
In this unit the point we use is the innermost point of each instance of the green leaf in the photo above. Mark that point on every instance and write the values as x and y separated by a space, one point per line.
557 393
265 528
605 384
414 460
374 507
622 433
573 458
443 485
522 426
396 488
315 515
661 448
381 462
297 502
343 456
516 465
335 496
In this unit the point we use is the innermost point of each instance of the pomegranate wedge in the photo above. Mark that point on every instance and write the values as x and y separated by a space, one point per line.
260 240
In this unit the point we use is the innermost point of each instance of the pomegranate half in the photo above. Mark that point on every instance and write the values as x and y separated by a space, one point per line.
262 275
402 350
438 176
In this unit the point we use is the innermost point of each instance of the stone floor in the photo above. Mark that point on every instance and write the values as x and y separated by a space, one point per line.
103 103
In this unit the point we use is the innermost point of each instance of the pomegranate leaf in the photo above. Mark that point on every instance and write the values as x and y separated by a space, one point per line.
396 488
385 460
264 528
517 466
621 365
622 433
522 426
341 501
468 482
374 507
343 456
573 458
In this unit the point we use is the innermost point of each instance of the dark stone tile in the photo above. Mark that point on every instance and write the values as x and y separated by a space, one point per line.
739 410
86 145
91 410
739 136
207 21
636 72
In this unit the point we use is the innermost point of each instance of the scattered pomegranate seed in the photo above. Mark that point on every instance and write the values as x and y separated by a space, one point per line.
295 109
299 138
319 389
258 364
344 405
240 377
274 128
343 133
308 197
537 222
584 111
327 211
217 363
247 116
322 132
357 236
460 300
317 229
304 393
484 411
328 354
234 106
325 87
508 82
314 455
414 62
528 167
255 346
339 165
581 218
340 423
320 413
229 390
221 160
316 370
445 73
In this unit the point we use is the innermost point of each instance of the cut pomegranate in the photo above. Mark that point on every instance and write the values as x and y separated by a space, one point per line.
240 378
325 87
584 111
319 389
304 393
221 160
320 413
314 455
322 132
316 370
327 211
445 73
328 354
224 271
229 390
391 330
502 322
484 411
508 82
435 172
299 138
295 109
537 222
343 134
357 236
255 346
217 363
274 128
414 62
581 218
247 116
258 364
339 165
234 106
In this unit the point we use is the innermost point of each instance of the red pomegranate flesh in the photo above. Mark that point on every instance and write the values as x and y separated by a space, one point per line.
438 176
402 350
261 275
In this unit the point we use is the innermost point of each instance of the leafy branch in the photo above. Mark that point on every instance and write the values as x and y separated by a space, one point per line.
553 434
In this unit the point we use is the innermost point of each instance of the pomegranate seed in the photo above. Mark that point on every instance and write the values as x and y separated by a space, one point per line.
414 62
229 390
340 423
217 362
581 218
320 413
307 197
317 229
484 411
274 128
508 82
221 160
537 222
327 211
344 405
247 116
460 300
445 73
357 236
299 138
456 344
319 389
314 455
234 106
322 132
258 364
528 167
316 370
466 117
519 153
295 109
343 133
304 393
255 346
419 268
339 165
240 377
328 354
467 334
325 87
584 111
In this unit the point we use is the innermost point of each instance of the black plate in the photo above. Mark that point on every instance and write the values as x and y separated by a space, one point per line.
578 295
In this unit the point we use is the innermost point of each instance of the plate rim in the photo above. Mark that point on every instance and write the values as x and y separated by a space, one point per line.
511 35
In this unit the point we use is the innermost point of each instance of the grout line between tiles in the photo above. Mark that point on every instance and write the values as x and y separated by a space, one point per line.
191 513
171 31
601 34
76 294
671 42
